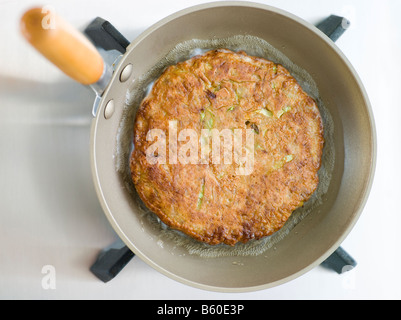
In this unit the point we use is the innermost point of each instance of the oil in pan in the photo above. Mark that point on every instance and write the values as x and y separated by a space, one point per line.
141 87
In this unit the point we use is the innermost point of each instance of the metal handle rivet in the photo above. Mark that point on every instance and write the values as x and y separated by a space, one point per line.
109 109
126 73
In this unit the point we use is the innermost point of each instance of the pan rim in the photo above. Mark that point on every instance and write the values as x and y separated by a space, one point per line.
365 189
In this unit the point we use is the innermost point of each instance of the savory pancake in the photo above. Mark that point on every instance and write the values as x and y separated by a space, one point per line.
250 100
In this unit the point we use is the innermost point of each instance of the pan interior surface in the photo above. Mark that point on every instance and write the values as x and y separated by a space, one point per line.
186 50
346 176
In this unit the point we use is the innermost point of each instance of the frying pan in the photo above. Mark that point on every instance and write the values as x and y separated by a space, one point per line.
314 238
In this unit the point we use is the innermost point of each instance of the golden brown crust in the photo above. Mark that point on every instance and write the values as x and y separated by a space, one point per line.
226 90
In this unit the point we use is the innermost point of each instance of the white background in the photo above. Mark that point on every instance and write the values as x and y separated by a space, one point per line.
49 212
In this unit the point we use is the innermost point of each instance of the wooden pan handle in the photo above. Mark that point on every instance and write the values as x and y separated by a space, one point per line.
63 45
